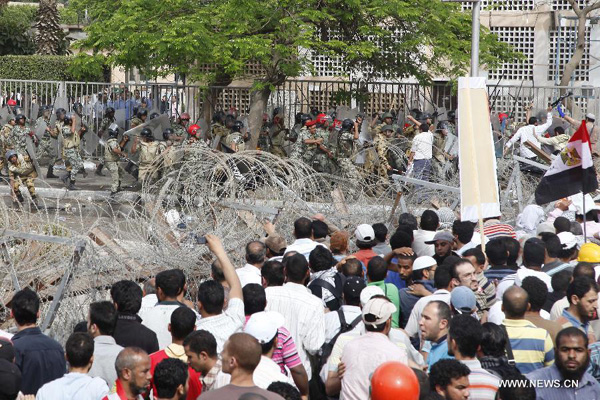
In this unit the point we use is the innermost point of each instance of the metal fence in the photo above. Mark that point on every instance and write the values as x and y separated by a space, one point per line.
293 96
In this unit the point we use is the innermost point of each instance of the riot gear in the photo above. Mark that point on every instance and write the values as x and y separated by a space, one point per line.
237 126
78 108
141 113
185 117
20 117
168 132
113 130
146 133
10 153
109 111
154 115
304 119
194 130
67 120
62 111
347 124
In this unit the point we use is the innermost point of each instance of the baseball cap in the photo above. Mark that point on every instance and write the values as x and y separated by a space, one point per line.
377 311
263 325
423 262
567 240
443 235
545 227
364 233
276 243
590 116
310 123
463 299
353 287
368 292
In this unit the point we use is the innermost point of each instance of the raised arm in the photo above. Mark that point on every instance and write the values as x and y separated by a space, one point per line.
216 247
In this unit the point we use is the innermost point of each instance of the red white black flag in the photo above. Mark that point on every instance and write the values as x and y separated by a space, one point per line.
571 172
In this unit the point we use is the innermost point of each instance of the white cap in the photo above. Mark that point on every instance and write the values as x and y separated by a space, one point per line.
364 233
577 203
368 292
590 116
423 262
381 309
263 325
567 240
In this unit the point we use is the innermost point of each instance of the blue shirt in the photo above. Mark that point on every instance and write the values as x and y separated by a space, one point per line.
393 277
498 274
587 387
585 327
408 300
439 351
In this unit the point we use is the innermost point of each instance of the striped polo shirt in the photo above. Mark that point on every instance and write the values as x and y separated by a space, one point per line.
483 385
493 228
532 346
498 273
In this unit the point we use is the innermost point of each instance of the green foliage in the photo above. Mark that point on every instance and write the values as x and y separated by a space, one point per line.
69 16
15 25
45 68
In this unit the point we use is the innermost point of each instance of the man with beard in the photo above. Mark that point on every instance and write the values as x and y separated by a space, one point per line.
582 295
442 243
133 371
171 380
569 370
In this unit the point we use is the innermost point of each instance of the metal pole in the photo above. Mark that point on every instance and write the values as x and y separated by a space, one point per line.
475 39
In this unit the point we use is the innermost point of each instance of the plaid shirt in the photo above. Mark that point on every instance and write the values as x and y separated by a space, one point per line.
215 379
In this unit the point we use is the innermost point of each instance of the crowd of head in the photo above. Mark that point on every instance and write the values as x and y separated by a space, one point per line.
434 310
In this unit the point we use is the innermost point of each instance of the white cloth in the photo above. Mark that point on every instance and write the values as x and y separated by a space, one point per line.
148 301
505 283
524 272
412 326
329 277
332 321
249 274
73 386
496 315
419 247
158 319
530 218
526 133
106 351
225 324
558 308
303 246
304 317
268 371
422 146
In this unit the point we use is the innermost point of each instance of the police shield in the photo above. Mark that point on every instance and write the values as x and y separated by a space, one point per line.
35 110
61 102
31 152
90 142
344 112
120 118
4 115
41 128
204 127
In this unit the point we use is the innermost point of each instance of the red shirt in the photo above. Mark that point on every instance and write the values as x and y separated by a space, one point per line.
195 386
365 255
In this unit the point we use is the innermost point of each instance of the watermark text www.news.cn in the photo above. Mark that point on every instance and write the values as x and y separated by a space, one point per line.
540 383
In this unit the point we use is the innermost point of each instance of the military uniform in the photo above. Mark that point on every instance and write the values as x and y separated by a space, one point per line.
135 121
111 162
179 130
4 135
149 151
17 139
264 141
344 150
277 140
218 133
238 139
45 147
321 161
70 151
22 171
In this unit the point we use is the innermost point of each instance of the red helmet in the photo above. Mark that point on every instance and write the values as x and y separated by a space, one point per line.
502 116
11 102
194 130
321 119
394 380
185 116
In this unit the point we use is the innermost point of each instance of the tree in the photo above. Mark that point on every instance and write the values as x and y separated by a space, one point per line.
392 39
49 34
582 14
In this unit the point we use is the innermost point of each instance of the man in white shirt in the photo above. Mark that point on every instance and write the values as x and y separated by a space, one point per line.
76 384
264 326
102 320
211 299
304 243
528 133
255 258
304 313
421 152
429 224
350 311
150 299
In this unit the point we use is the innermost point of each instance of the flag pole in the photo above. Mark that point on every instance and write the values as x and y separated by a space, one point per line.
584 221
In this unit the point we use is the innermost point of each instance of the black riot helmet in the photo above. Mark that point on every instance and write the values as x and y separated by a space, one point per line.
237 126
154 115
78 108
142 112
147 133
20 117
109 111
61 111
167 132
276 111
298 118
218 117
347 124
67 120
305 118
113 130
451 115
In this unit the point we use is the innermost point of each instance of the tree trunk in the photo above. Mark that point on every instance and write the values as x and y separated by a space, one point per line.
577 55
258 105
49 32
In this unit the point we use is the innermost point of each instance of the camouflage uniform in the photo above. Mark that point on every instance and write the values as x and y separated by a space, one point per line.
4 135
179 130
344 150
238 139
439 158
18 139
135 121
189 146
46 146
277 140
218 133
71 154
264 141
149 152
22 171
298 147
321 161
111 162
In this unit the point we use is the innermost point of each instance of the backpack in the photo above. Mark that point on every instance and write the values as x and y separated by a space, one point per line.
336 290
344 327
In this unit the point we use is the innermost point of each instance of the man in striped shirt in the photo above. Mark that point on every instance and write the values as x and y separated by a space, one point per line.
497 255
531 346
464 338
493 228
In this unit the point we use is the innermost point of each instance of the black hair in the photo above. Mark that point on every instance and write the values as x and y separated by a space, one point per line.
567 253
255 252
376 269
104 315
512 246
400 239
169 374
424 127
79 349
273 272
560 281
443 371
516 386
571 331
25 305
454 267
580 286
170 282
552 243
430 220
217 272
266 347
352 267
183 322
285 390
201 341
303 228
536 290
128 296
466 331
496 252
442 277
81 326
320 229
532 121
381 232
408 219
361 244
255 298
584 269
561 224
443 310
464 230
534 252
477 253
493 340
296 268
212 296
320 259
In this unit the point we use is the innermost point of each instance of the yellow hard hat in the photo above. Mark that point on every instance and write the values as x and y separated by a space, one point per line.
589 252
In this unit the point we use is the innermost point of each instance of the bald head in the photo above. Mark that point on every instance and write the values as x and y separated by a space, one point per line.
245 349
129 358
256 253
514 302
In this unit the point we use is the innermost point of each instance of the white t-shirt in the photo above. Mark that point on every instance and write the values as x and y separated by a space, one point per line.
422 146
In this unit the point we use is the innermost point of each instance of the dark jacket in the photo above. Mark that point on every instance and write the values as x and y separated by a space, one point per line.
408 300
40 359
130 332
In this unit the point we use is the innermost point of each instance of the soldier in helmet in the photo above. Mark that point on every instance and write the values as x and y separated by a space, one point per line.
149 150
47 147
194 141
299 146
386 119
323 160
20 169
278 133
264 139
17 140
180 127
217 129
112 155
4 135
71 140
235 141
107 121
388 159
140 117
344 148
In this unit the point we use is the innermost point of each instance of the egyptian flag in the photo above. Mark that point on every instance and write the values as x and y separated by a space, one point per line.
571 172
